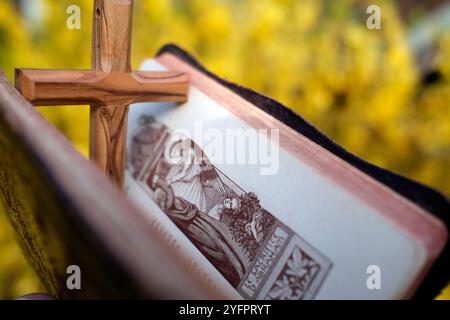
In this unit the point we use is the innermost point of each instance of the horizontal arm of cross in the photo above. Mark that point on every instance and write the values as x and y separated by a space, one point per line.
82 87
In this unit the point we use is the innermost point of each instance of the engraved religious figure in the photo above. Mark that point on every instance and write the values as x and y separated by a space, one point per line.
250 248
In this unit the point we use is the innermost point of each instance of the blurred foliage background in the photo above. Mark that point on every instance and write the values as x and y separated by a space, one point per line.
382 94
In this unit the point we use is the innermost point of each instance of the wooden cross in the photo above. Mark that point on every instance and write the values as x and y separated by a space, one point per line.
110 87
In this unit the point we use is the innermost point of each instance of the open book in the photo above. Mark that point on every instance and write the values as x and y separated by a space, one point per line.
230 195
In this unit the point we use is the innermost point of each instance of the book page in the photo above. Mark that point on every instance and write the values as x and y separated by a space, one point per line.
255 219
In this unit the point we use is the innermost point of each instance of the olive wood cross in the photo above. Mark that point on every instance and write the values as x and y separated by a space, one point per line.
110 87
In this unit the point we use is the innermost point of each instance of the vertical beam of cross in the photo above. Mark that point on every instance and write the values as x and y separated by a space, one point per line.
111 52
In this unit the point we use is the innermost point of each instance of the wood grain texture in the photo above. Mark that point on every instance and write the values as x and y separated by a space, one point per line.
67 212
78 87
111 51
